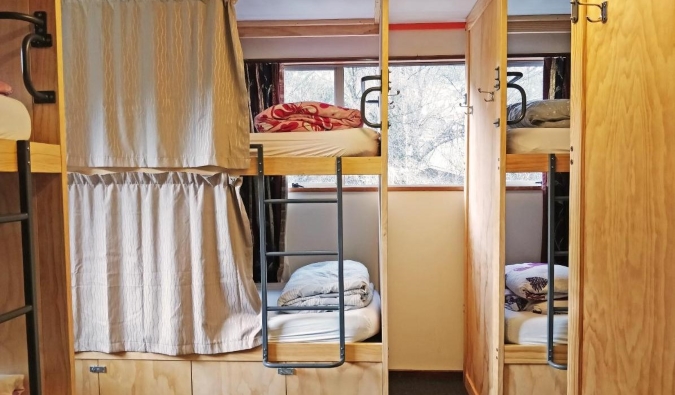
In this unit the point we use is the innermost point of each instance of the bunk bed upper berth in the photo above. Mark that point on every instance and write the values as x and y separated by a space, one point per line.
535 131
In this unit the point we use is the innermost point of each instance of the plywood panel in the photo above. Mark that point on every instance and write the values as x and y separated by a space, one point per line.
485 200
349 379
145 378
236 378
86 383
629 215
534 380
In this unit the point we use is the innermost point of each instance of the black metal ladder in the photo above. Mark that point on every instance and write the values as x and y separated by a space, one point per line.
29 310
552 254
340 308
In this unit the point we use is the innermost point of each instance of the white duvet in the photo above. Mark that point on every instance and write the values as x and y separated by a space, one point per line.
317 285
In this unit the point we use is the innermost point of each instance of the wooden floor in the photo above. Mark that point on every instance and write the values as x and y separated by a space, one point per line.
426 383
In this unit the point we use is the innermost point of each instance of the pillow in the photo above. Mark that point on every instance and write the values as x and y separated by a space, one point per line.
530 281
541 114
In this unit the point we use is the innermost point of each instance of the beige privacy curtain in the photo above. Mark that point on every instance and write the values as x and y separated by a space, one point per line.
161 263
154 83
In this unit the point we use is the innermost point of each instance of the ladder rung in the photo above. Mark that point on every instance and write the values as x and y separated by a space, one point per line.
283 201
560 309
562 198
562 253
301 253
15 313
306 308
13 218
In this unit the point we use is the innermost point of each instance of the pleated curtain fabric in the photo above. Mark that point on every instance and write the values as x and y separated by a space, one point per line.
154 84
161 263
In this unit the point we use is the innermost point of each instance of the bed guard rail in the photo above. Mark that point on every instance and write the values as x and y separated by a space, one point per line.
38 39
523 96
551 309
340 308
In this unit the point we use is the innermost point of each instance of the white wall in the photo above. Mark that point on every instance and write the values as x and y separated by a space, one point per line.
426 261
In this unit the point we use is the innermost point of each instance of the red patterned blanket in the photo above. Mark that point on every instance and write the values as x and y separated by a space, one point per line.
306 117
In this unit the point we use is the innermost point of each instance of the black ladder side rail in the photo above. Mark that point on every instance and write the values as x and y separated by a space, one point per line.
340 308
29 310
550 314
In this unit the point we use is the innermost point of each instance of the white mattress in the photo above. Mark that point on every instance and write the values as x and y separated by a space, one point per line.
15 123
538 141
360 324
524 327
346 142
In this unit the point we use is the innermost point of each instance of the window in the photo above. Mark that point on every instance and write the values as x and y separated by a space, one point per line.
427 127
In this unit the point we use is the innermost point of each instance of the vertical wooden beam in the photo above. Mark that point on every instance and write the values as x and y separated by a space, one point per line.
51 210
576 236
384 184
485 195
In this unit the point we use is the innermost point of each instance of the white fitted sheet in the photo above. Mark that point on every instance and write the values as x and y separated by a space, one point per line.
360 324
346 142
538 141
524 327
15 123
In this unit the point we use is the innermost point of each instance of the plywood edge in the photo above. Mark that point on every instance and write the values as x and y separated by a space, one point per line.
534 163
287 165
313 352
476 12
539 24
45 158
516 354
308 28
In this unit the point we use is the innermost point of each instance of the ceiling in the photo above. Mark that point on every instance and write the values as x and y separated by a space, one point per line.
400 11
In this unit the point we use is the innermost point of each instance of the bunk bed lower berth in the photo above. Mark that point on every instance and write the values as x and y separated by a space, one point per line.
301 340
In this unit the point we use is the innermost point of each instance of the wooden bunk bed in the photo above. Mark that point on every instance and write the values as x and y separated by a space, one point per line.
365 367
35 323
492 366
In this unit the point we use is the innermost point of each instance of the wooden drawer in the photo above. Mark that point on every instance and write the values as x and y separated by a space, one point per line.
349 379
534 380
234 378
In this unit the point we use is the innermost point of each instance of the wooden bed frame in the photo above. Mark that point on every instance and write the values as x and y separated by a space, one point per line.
366 369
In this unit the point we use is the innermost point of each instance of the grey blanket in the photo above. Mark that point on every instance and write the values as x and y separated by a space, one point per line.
541 114
317 285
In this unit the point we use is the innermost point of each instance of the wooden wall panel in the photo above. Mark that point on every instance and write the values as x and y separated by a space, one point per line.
11 35
146 377
349 379
628 346
13 354
86 383
534 380
231 378
486 152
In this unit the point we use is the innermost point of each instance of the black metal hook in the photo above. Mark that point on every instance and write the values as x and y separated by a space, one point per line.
523 96
364 98
38 39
